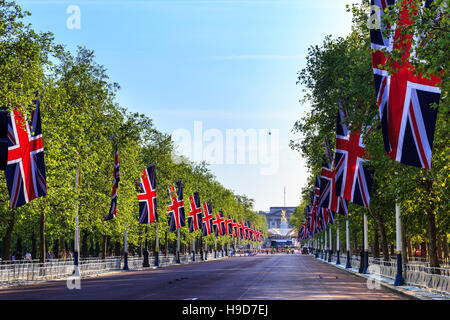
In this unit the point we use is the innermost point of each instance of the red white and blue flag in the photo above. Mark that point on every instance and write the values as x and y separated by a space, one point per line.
219 225
328 198
236 232
207 226
404 99
244 230
116 174
195 215
229 227
25 170
147 196
353 177
176 207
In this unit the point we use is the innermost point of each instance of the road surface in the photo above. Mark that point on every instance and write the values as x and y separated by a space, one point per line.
262 277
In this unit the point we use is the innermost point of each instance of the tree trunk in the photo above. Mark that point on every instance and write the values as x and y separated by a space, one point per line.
404 244
42 249
7 240
384 243
33 246
84 244
56 248
431 219
434 261
105 245
423 250
409 246
445 246
166 245
62 244
376 244
19 249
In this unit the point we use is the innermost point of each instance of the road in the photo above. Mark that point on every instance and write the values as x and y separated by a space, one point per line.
261 277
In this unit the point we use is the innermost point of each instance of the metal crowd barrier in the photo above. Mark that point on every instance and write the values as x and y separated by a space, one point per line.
415 273
28 271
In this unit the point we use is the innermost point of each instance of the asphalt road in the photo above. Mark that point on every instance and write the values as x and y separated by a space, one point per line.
262 277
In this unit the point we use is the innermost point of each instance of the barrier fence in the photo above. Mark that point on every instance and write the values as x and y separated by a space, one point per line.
415 273
29 271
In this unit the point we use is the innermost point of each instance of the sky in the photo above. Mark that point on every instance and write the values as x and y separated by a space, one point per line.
201 69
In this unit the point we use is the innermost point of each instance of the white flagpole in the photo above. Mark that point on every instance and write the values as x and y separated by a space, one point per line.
330 247
178 246
347 242
157 246
366 247
125 265
77 226
398 239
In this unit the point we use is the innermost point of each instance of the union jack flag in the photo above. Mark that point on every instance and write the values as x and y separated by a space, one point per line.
113 209
219 225
312 221
302 233
352 175
25 169
146 190
176 208
404 99
328 198
249 231
195 215
207 225
236 232
240 227
328 216
229 227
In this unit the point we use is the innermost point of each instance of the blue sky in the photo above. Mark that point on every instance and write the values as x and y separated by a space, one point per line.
229 64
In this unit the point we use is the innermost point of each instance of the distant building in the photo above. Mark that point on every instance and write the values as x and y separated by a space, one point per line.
279 232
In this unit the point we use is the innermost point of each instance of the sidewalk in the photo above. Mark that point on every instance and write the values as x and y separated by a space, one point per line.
410 291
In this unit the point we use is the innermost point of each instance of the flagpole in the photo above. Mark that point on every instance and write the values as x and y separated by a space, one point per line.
326 246
77 226
206 248
398 239
215 247
348 265
366 247
157 246
125 254
330 251
193 249
338 258
178 246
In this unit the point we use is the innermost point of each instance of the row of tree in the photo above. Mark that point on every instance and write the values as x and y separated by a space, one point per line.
82 123
341 69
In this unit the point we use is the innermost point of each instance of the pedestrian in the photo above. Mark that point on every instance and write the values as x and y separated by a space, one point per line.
28 256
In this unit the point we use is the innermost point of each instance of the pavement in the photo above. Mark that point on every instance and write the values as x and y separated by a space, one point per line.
260 277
